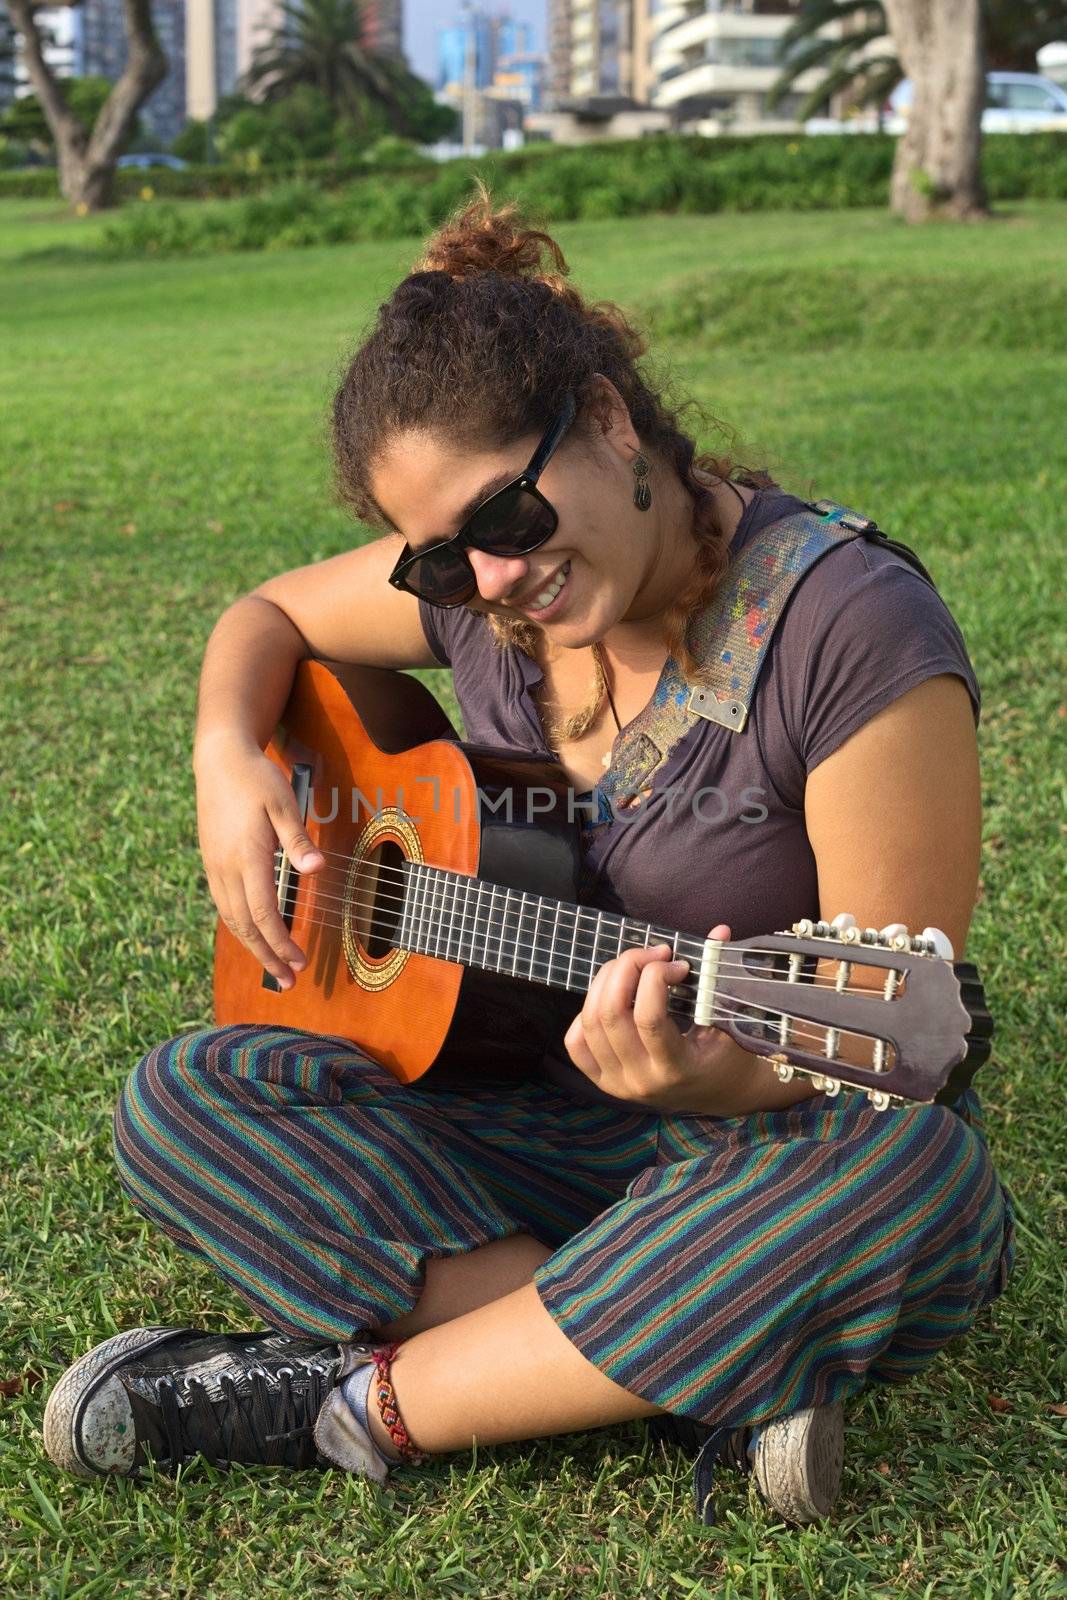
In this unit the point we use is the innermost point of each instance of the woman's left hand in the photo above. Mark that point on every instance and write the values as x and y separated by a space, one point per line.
624 1040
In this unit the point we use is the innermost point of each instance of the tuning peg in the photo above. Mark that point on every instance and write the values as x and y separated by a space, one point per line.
879 1099
893 929
939 942
829 1086
843 921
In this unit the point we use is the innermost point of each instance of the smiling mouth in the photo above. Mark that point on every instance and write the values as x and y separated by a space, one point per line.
543 598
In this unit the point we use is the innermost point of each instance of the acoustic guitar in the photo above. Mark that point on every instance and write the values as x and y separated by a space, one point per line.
446 926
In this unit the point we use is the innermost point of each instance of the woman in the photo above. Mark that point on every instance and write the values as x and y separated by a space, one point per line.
648 1223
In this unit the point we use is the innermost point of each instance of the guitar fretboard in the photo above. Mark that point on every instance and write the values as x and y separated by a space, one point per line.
457 918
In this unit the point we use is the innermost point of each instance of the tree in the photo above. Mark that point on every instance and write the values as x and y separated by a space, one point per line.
849 39
837 36
194 142
25 119
303 126
937 168
940 43
87 154
320 42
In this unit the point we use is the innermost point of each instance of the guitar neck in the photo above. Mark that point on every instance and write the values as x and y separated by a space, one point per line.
457 918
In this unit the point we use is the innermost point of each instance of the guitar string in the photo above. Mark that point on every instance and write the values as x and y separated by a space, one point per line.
346 861
727 964
802 1028
799 1033
384 869
583 964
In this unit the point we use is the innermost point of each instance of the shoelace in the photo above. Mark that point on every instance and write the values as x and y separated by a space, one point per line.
728 1446
242 1427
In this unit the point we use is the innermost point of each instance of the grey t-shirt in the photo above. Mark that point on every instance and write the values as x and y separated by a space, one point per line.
721 837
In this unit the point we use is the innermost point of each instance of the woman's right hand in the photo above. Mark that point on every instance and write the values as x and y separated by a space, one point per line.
245 808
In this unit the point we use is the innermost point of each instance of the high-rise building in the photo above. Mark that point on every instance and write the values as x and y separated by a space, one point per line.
489 40
8 58
60 29
383 28
701 59
717 60
103 55
521 78
590 48
208 44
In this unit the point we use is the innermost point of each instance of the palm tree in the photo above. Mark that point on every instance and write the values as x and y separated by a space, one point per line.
1013 32
844 54
320 42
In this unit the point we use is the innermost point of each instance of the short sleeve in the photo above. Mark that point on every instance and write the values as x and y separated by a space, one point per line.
431 618
864 628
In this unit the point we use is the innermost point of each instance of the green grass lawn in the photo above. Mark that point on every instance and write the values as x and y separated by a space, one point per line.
164 450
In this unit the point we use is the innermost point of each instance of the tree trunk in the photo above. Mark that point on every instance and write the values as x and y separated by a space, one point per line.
937 171
87 157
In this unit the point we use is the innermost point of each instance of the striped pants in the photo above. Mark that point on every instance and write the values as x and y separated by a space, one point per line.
726 1269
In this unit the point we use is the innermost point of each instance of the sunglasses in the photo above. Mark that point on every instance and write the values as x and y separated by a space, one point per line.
511 522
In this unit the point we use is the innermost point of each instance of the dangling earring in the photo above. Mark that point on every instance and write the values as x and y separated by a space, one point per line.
642 493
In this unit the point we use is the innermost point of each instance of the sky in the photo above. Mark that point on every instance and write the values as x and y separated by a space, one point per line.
422 18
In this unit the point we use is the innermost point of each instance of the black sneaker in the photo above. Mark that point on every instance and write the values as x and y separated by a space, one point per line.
795 1461
170 1394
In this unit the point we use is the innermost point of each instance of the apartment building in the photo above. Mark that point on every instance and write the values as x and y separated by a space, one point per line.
710 63
714 61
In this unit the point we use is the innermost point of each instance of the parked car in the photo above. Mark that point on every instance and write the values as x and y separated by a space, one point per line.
153 158
1016 102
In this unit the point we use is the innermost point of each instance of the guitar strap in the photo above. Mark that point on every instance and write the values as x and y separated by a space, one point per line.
730 639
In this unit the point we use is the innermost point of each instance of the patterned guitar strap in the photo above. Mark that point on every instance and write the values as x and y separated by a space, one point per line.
730 639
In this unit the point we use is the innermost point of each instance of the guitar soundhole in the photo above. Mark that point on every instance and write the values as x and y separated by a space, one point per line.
379 899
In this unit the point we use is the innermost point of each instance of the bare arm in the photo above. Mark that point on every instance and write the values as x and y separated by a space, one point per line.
894 821
342 609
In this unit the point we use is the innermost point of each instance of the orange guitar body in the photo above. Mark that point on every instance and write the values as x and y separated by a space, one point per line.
388 779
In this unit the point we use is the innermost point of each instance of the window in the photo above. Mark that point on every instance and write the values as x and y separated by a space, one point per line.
1029 97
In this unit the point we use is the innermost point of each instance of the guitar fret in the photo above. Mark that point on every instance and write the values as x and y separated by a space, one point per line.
596 940
533 941
452 883
504 932
440 929
478 930
519 933
442 919
427 912
489 927
555 933
466 955
431 912
574 941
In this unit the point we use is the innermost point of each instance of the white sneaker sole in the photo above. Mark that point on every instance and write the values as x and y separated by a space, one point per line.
798 1462
106 1434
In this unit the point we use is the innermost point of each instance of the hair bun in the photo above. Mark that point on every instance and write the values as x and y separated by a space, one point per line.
479 239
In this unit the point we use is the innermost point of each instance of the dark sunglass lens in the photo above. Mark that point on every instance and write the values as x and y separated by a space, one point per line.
442 577
512 523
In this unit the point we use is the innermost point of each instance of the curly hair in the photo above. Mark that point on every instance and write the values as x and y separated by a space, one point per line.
480 343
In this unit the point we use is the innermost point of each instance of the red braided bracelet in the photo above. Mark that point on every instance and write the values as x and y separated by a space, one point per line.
390 1411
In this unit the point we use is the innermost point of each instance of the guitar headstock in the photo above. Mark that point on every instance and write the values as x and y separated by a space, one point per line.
877 1010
